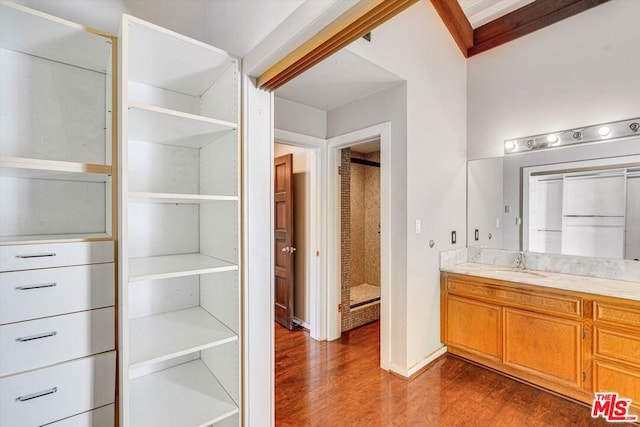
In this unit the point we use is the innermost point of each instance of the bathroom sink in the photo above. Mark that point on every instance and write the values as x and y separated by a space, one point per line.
516 272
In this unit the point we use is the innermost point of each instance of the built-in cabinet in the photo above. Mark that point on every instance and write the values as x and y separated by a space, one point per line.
572 343
57 222
179 307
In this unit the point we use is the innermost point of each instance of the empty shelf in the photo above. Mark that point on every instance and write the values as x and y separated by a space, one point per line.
55 238
38 34
185 395
177 198
173 334
160 125
152 59
167 266
21 167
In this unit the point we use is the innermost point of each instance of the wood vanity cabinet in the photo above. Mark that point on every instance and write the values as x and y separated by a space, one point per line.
568 342
616 348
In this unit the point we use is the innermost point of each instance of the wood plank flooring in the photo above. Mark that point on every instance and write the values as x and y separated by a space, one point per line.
340 384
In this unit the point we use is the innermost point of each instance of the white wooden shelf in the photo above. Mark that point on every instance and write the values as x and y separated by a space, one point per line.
178 198
154 62
175 334
185 395
54 238
21 167
168 266
38 34
161 125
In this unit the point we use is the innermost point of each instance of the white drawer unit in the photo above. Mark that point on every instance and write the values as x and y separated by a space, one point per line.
28 257
101 417
26 295
51 394
42 342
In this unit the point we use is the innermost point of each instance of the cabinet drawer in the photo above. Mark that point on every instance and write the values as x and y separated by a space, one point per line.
27 257
26 295
37 343
51 394
101 417
538 301
617 314
617 345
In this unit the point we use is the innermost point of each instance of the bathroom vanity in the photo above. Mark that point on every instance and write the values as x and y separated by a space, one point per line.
574 335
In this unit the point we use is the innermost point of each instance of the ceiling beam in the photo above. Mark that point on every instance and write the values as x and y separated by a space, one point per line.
353 24
530 18
456 22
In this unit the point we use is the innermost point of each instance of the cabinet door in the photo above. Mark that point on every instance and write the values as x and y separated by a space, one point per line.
543 345
474 326
614 377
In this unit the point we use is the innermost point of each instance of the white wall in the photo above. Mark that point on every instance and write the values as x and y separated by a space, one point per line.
484 203
294 117
301 227
417 47
387 106
580 71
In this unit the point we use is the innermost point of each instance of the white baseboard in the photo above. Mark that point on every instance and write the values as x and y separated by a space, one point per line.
408 372
301 323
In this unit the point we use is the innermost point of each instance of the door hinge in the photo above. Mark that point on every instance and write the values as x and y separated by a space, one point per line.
584 376
339 308
317 253
584 334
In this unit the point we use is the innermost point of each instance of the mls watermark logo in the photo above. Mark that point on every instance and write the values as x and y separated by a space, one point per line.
612 408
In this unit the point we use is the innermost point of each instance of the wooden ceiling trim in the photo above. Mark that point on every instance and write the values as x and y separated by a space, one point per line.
456 22
352 25
523 21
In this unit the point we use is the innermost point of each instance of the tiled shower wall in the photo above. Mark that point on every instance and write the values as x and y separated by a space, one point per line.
361 315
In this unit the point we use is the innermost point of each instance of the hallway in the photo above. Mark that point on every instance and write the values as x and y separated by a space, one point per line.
340 384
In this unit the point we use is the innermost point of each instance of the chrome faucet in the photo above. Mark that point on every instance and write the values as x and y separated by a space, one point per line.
519 260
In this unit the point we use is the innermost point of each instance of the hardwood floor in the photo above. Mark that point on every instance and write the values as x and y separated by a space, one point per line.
340 384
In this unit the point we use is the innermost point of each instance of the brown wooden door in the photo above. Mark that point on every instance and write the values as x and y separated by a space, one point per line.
284 250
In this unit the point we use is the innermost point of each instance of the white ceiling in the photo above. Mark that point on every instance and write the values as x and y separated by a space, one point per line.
236 26
338 80
479 12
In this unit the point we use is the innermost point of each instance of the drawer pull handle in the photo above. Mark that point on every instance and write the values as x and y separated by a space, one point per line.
37 395
37 337
38 286
44 255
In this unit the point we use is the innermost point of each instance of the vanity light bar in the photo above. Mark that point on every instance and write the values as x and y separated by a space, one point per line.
587 134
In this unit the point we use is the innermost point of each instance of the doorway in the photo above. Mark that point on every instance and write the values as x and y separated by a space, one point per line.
301 250
360 234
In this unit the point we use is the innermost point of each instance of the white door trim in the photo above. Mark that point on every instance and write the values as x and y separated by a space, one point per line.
316 226
383 132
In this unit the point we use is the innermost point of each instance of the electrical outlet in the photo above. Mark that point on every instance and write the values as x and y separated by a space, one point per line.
453 237
476 235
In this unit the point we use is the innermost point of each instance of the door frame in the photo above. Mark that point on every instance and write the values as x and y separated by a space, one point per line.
380 131
316 264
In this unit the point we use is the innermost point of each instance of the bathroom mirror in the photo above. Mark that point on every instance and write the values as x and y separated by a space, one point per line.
582 200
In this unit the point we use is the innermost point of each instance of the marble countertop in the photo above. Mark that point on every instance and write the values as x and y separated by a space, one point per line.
570 282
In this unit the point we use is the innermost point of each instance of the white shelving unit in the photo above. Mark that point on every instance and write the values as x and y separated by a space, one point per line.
56 121
179 236
58 220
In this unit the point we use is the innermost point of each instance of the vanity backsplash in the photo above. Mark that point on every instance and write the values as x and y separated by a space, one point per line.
605 268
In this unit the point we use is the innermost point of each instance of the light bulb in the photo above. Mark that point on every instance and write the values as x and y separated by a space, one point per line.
510 145
604 131
552 137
